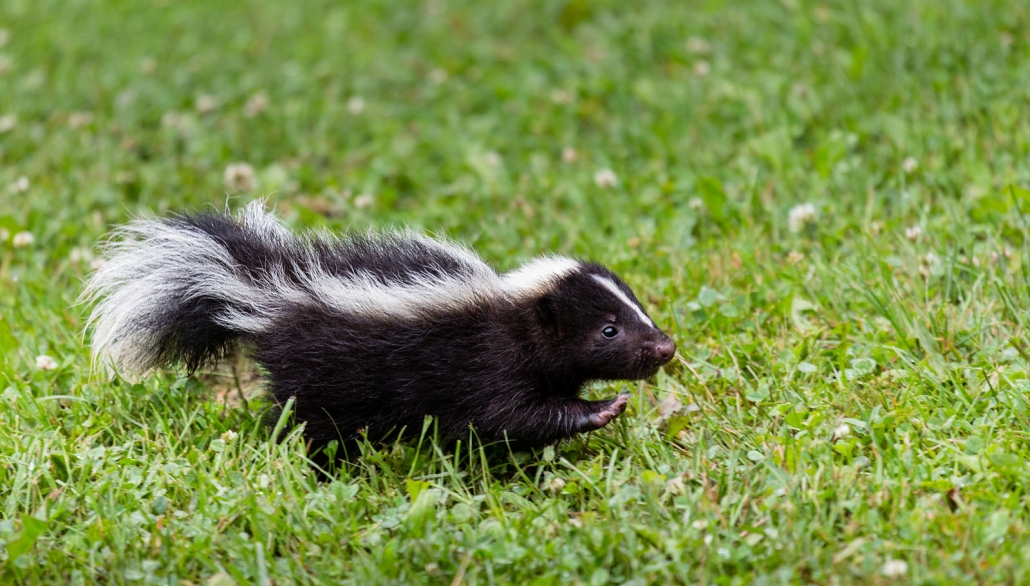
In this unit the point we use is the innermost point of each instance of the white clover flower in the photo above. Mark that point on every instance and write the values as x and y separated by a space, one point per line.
696 203
569 155
913 233
794 257
702 68
909 165
556 484
240 177
255 105
173 120
205 103
363 201
79 119
23 239
437 76
44 362
8 122
800 216
928 263
356 105
229 435
698 46
79 254
843 430
20 185
561 97
894 568
699 525
605 178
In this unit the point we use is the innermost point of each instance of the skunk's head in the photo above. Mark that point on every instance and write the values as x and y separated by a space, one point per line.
594 326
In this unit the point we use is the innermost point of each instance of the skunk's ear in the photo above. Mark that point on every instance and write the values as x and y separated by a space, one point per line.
546 313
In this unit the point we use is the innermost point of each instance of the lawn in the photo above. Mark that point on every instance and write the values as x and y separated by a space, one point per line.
825 204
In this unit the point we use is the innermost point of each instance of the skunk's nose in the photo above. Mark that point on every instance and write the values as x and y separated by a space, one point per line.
665 349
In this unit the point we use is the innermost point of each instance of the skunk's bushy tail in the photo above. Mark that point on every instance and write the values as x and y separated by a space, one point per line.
185 289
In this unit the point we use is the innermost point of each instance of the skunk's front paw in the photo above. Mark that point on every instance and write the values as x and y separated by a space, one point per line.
614 408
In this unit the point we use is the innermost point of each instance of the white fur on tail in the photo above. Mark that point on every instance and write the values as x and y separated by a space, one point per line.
151 267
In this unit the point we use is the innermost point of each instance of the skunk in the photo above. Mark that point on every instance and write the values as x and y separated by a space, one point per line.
373 332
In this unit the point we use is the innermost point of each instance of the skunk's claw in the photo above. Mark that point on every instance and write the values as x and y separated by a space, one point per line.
608 410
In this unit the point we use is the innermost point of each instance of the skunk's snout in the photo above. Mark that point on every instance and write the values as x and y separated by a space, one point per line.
665 350
653 354
657 352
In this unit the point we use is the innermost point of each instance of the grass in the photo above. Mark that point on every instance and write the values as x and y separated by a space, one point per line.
851 401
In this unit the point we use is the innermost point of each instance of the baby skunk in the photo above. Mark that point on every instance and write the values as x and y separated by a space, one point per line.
374 332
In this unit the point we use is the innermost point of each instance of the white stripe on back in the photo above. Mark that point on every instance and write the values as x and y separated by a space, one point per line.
537 276
609 285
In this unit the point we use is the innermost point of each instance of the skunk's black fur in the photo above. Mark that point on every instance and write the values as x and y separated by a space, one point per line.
374 332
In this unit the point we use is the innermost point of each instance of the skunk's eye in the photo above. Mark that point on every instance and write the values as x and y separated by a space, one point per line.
609 332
